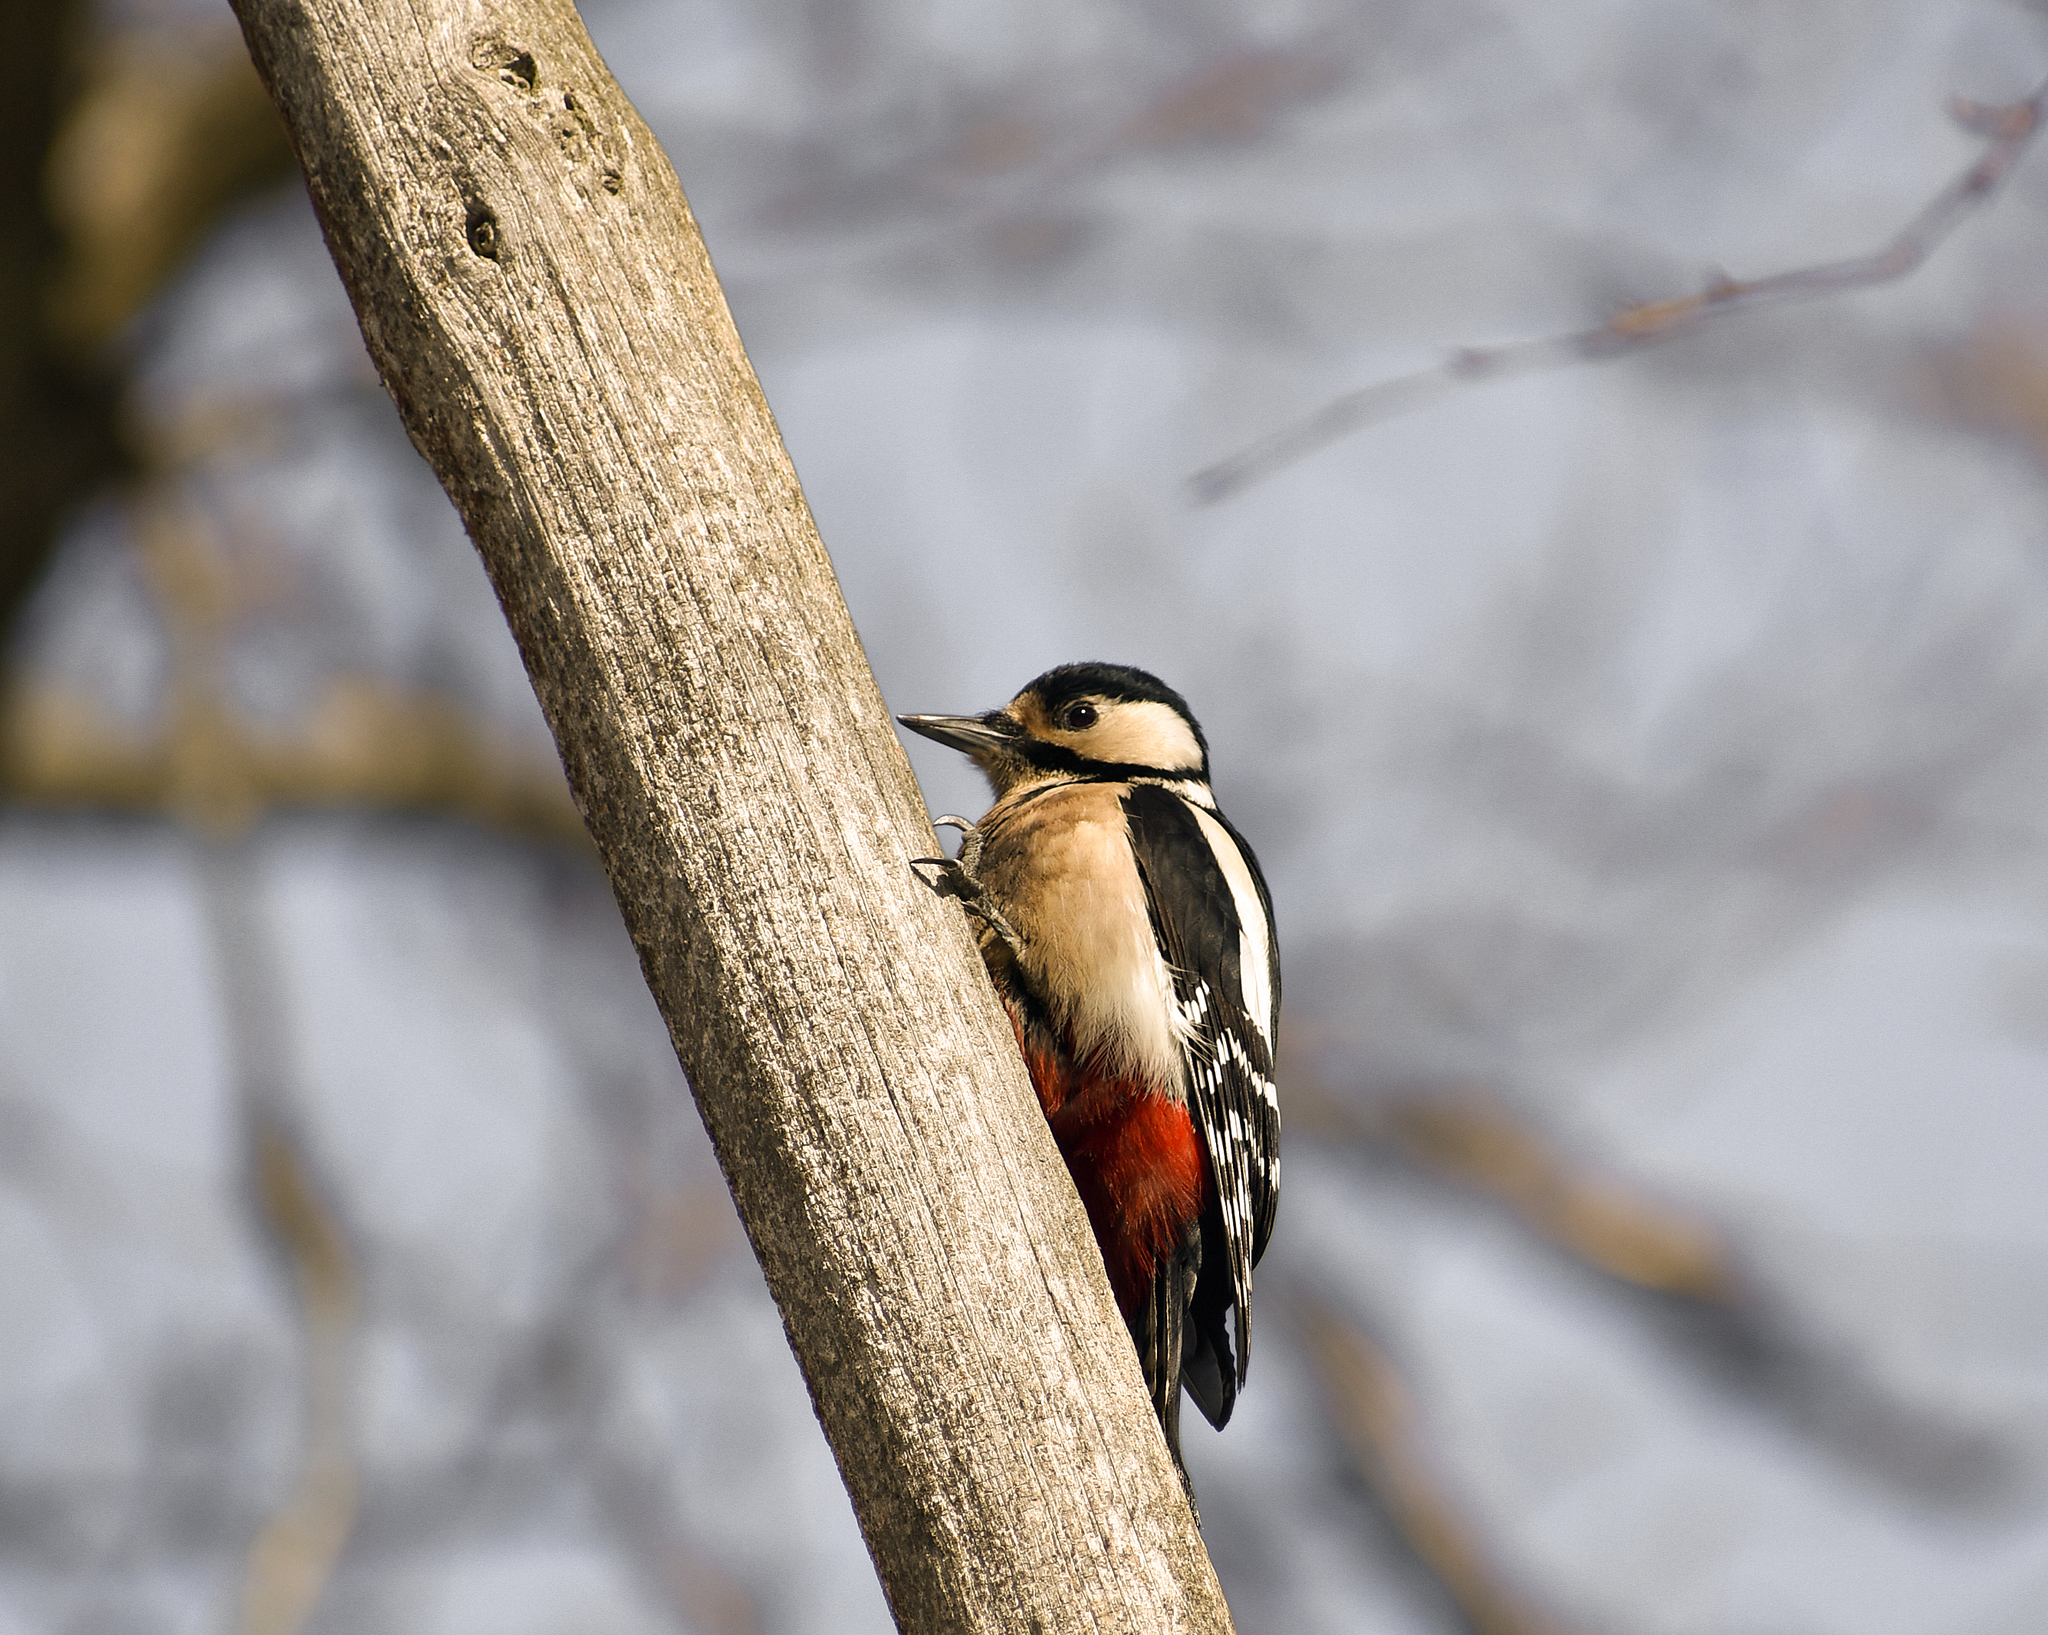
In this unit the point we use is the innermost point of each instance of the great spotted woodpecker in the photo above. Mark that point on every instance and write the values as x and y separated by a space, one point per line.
1129 932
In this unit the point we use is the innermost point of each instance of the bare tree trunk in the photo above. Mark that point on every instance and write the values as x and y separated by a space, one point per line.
537 298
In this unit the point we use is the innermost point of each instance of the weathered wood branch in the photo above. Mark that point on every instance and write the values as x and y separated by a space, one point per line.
537 299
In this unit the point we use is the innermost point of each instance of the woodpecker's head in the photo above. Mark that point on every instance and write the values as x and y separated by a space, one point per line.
1080 720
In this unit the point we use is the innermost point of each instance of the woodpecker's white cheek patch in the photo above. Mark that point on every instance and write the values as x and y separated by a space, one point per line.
1146 733
1255 945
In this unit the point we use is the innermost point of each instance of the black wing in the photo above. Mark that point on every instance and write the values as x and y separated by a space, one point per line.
1228 1048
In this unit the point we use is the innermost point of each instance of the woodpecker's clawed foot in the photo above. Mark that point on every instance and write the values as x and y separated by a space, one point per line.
956 877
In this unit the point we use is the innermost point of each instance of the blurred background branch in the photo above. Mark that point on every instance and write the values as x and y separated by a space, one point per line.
125 147
56 408
1380 1427
2007 131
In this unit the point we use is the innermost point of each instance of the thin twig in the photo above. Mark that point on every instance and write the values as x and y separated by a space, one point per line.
294 1554
293 1557
2007 129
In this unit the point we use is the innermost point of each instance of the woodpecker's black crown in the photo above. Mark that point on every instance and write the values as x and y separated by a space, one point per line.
1118 683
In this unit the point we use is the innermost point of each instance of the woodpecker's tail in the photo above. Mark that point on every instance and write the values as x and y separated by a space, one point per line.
1208 1367
1165 1340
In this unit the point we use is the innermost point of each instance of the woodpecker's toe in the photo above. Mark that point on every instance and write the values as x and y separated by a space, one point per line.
950 877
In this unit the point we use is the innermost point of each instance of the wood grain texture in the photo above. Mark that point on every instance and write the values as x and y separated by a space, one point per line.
538 300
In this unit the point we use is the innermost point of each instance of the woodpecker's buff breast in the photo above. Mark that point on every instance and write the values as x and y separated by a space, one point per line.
1130 935
1059 856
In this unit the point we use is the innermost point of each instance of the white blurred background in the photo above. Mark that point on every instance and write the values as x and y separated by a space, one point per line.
1649 758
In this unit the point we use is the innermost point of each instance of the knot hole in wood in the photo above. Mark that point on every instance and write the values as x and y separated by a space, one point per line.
513 64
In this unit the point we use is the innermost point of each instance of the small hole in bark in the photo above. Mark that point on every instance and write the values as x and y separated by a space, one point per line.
511 63
482 231
613 181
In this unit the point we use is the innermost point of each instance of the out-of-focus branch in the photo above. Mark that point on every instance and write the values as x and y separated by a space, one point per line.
2007 131
1615 1228
1690 1280
1469 1138
294 1554
1374 1415
169 129
109 174
362 746
56 416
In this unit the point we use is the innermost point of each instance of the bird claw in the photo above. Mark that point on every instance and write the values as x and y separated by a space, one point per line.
956 877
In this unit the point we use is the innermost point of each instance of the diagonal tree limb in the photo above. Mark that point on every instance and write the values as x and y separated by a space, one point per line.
1380 1428
1688 1279
2007 131
537 300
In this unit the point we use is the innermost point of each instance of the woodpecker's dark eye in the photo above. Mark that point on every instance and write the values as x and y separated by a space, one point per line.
1079 717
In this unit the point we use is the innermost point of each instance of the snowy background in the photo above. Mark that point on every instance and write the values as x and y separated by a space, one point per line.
1650 761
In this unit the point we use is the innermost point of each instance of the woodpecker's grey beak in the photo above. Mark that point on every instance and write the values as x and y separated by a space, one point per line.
970 734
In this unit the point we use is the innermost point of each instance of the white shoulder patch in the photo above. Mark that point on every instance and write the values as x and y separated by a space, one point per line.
1255 937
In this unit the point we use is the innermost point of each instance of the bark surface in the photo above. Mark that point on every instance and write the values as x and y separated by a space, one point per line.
539 302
